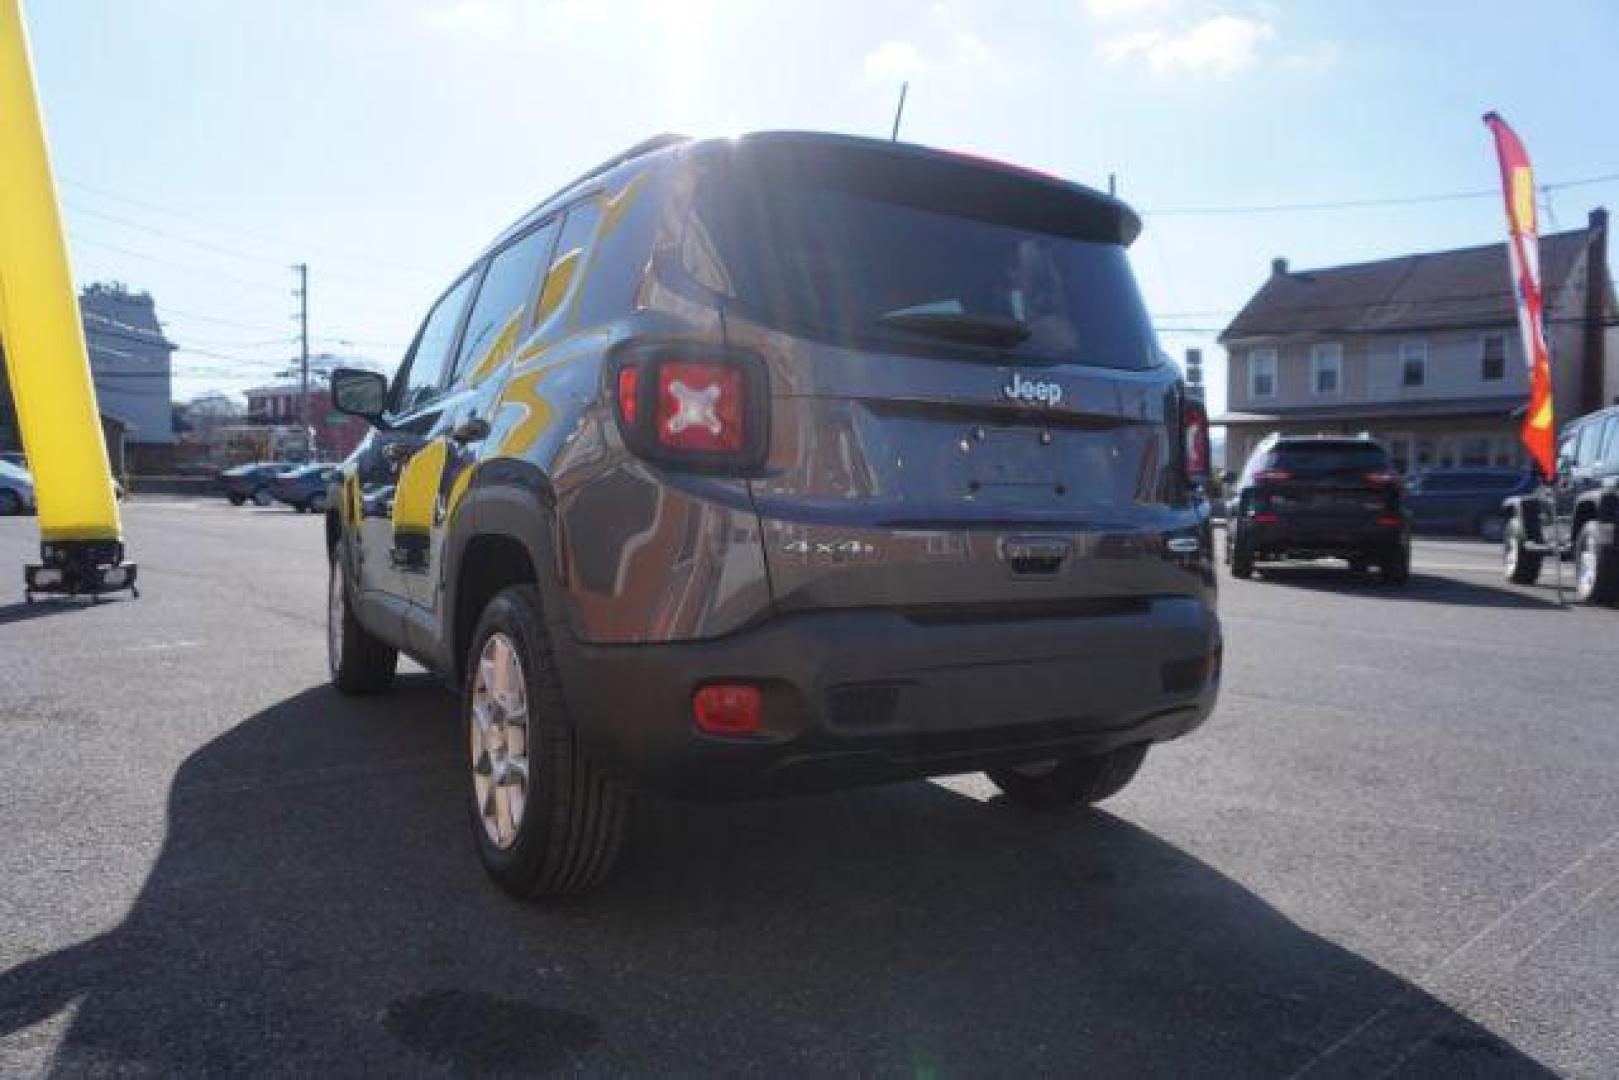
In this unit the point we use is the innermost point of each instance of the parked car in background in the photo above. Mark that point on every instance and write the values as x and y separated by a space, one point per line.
1466 501
252 481
304 487
1318 498
1579 516
849 532
16 490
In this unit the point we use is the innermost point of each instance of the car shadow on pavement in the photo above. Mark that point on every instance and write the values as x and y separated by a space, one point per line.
1421 588
316 907
42 608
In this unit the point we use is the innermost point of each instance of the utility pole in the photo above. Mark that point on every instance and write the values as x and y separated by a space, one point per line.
302 293
899 111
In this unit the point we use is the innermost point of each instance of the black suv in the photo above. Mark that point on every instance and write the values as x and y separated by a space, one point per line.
1314 498
1583 502
782 463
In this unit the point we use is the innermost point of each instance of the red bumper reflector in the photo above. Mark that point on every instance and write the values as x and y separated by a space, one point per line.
1267 519
1389 521
728 710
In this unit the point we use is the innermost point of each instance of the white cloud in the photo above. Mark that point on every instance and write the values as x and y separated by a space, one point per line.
1314 60
1118 9
893 60
480 18
1222 45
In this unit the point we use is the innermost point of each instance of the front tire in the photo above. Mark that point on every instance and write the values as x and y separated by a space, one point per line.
1596 567
262 497
316 503
236 498
545 819
1521 566
1070 782
359 661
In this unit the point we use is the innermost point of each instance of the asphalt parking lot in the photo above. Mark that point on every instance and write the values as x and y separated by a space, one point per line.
1394 850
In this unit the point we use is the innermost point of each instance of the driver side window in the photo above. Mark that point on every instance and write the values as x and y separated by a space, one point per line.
421 378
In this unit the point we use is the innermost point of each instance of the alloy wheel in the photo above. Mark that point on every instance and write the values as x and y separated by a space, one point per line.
499 740
336 601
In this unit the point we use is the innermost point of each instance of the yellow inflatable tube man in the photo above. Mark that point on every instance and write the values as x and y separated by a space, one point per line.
49 370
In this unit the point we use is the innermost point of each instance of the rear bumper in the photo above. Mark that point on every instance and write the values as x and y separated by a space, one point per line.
862 697
1304 540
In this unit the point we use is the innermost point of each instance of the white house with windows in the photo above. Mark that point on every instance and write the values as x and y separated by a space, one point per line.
1420 351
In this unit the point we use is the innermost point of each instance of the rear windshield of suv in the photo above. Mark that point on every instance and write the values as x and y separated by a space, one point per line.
850 268
1328 457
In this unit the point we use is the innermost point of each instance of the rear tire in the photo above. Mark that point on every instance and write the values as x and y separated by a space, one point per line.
565 834
316 503
236 498
262 497
1521 566
1596 567
10 503
1396 569
1072 781
1242 558
1489 528
359 661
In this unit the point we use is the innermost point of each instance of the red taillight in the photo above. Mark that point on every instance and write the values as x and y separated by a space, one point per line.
1272 476
1390 521
1382 478
1267 518
728 709
692 407
701 407
629 387
1195 422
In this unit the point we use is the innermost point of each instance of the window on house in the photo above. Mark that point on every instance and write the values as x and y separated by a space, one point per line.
1493 362
1262 373
1326 368
1413 363
1475 453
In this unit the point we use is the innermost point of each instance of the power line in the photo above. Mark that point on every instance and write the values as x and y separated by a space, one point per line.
239 230
212 275
1359 204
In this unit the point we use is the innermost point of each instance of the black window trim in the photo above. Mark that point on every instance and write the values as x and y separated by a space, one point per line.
480 269
477 269
452 372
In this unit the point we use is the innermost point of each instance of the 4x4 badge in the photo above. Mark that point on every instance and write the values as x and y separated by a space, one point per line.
1038 391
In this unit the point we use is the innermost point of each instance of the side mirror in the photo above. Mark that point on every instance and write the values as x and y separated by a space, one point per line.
360 393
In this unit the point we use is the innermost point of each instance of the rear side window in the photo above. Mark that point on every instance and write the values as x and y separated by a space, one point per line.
568 263
1610 445
422 377
849 267
1328 457
496 322
1587 452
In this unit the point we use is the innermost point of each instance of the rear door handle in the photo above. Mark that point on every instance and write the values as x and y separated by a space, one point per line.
472 429
398 452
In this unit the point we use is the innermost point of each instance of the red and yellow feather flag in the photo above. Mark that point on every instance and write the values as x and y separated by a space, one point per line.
1523 244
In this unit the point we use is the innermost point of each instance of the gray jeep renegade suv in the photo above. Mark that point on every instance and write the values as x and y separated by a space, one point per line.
777 464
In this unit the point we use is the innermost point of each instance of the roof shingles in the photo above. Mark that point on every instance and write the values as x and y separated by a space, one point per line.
1431 291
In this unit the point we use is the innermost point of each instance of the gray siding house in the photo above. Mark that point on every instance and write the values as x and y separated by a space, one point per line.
1422 351
130 361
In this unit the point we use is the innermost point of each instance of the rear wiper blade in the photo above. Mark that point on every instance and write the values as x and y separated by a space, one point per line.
959 326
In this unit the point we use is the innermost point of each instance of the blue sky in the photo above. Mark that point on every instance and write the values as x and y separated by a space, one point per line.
202 147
